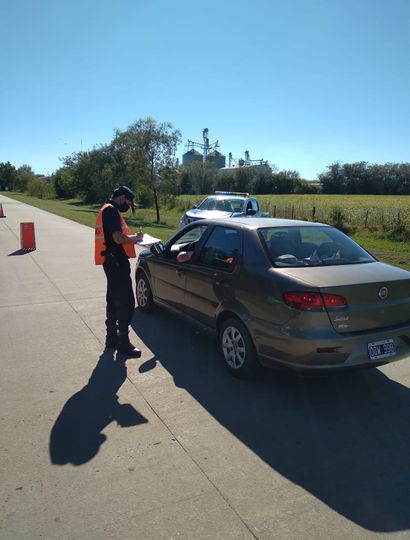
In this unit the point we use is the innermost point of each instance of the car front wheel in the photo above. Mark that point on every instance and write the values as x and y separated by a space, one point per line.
237 348
144 293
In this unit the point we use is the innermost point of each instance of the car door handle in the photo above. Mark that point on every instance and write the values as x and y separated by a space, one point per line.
222 283
180 272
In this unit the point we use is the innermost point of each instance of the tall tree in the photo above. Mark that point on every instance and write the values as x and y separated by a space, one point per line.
333 180
148 148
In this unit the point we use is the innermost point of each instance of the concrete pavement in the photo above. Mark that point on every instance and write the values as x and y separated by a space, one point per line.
170 446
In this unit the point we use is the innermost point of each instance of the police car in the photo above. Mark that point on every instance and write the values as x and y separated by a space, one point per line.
223 204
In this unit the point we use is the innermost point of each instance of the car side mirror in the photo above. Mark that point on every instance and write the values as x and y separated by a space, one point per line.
250 212
195 206
157 248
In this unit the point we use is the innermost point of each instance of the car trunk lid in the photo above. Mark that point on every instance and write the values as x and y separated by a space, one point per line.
378 295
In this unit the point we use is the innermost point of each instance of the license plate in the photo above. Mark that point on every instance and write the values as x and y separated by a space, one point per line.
381 349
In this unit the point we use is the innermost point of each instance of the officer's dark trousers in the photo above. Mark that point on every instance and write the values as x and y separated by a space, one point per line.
120 297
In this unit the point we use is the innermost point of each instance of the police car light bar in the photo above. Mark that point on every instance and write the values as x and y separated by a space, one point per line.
231 193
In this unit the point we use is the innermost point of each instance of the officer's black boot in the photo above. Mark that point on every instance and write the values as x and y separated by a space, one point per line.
127 348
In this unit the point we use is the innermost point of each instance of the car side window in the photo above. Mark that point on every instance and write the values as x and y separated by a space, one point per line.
255 205
222 249
187 241
252 207
237 205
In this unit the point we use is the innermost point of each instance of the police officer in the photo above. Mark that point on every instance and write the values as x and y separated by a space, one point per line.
114 246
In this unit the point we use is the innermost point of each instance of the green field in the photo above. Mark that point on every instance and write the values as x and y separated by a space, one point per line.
378 208
382 211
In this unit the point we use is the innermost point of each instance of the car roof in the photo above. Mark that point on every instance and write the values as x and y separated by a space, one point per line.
261 222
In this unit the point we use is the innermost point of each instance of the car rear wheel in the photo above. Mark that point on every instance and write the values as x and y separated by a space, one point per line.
144 293
237 348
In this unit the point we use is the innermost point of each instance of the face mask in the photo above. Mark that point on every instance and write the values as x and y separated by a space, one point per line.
124 207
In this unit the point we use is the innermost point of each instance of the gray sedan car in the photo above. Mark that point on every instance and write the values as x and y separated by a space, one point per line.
281 293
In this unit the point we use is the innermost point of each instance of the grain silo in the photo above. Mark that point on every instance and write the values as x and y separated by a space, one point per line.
190 156
217 159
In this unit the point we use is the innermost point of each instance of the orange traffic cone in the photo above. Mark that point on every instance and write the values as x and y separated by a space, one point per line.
1 211
27 237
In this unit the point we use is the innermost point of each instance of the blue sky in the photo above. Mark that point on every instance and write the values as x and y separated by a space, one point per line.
301 83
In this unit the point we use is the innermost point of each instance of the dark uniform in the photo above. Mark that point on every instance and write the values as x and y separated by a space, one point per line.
120 295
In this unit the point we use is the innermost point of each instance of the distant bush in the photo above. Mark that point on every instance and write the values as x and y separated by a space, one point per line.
43 189
399 229
338 219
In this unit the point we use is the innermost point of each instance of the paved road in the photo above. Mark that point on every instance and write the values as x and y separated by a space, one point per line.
170 446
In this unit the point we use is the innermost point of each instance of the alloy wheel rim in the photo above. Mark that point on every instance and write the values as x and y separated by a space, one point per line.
142 293
233 346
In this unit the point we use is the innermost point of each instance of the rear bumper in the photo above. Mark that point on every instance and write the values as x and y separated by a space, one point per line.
301 353
326 367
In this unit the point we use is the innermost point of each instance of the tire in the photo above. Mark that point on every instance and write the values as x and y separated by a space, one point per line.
237 349
144 293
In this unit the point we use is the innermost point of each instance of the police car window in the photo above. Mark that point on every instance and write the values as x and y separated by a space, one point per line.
222 248
236 204
208 204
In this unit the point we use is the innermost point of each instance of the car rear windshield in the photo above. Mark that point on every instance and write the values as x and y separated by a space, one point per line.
311 246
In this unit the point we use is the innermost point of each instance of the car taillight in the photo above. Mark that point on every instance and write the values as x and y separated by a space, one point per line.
334 301
313 301
304 300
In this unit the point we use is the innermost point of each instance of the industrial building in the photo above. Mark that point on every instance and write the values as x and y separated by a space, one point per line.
209 153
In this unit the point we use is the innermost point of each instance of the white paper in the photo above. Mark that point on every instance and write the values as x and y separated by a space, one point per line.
148 240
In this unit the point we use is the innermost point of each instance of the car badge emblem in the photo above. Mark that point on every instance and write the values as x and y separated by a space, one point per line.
383 292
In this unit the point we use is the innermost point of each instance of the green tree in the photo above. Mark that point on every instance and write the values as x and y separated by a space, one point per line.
333 180
362 178
171 181
63 183
263 183
198 178
90 175
147 148
244 178
7 176
23 176
286 181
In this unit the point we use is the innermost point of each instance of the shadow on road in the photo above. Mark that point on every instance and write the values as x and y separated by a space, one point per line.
345 438
76 435
21 252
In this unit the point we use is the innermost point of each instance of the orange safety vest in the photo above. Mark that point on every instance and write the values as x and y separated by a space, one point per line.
100 246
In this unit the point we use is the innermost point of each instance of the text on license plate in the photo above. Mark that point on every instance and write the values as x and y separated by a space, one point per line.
381 349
